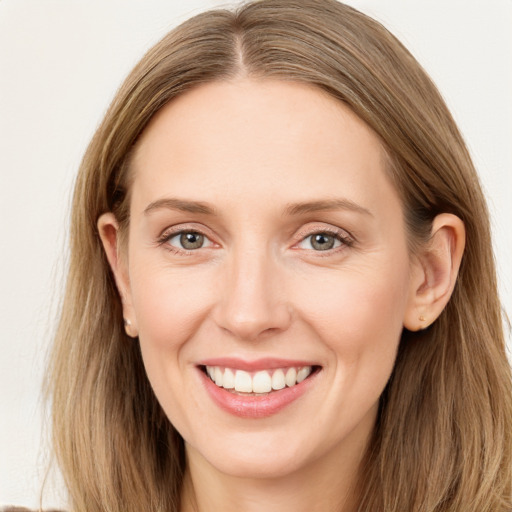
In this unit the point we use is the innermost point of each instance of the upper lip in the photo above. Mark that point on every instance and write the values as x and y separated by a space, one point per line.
265 363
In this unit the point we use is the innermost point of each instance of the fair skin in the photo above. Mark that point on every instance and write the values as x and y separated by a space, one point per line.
265 235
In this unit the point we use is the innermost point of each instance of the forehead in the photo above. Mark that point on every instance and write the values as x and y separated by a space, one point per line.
249 138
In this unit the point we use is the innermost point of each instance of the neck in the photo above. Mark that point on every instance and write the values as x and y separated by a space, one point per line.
326 485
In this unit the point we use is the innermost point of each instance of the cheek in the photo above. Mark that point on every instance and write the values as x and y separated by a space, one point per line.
359 314
359 318
169 307
169 304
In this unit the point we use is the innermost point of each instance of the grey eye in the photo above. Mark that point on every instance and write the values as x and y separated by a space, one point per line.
190 240
322 241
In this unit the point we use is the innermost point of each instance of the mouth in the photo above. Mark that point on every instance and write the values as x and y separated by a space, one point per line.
256 390
258 383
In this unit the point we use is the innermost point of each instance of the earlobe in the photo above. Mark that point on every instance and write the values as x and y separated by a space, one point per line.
435 272
108 229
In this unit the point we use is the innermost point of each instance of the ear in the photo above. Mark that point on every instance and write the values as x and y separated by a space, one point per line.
435 271
108 229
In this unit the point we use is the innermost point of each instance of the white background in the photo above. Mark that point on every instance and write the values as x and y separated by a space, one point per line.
60 65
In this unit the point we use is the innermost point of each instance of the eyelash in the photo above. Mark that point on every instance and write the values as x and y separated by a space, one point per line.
340 235
164 239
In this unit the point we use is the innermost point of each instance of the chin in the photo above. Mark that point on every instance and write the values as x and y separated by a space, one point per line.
258 467
256 458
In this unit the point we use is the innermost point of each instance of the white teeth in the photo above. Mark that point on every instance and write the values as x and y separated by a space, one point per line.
291 377
243 382
278 381
228 381
303 373
263 381
218 376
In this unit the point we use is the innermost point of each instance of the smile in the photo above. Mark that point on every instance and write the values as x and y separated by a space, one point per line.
258 389
261 382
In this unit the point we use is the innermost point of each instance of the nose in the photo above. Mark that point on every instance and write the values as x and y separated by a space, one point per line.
252 301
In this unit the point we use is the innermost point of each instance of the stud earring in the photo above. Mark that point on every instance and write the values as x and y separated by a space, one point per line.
422 318
128 328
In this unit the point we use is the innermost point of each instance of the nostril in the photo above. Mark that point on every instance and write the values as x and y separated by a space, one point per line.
252 303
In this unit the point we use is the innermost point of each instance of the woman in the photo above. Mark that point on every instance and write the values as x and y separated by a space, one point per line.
281 291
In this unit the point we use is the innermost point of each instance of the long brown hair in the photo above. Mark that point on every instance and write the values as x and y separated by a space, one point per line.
442 442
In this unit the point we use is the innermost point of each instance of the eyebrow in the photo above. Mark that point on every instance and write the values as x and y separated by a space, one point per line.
325 205
180 205
292 209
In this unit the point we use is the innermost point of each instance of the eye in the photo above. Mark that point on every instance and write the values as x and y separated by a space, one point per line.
322 241
188 240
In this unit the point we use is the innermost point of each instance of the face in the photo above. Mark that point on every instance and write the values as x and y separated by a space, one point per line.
267 274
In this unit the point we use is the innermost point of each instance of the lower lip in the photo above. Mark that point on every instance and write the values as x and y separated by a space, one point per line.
255 406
